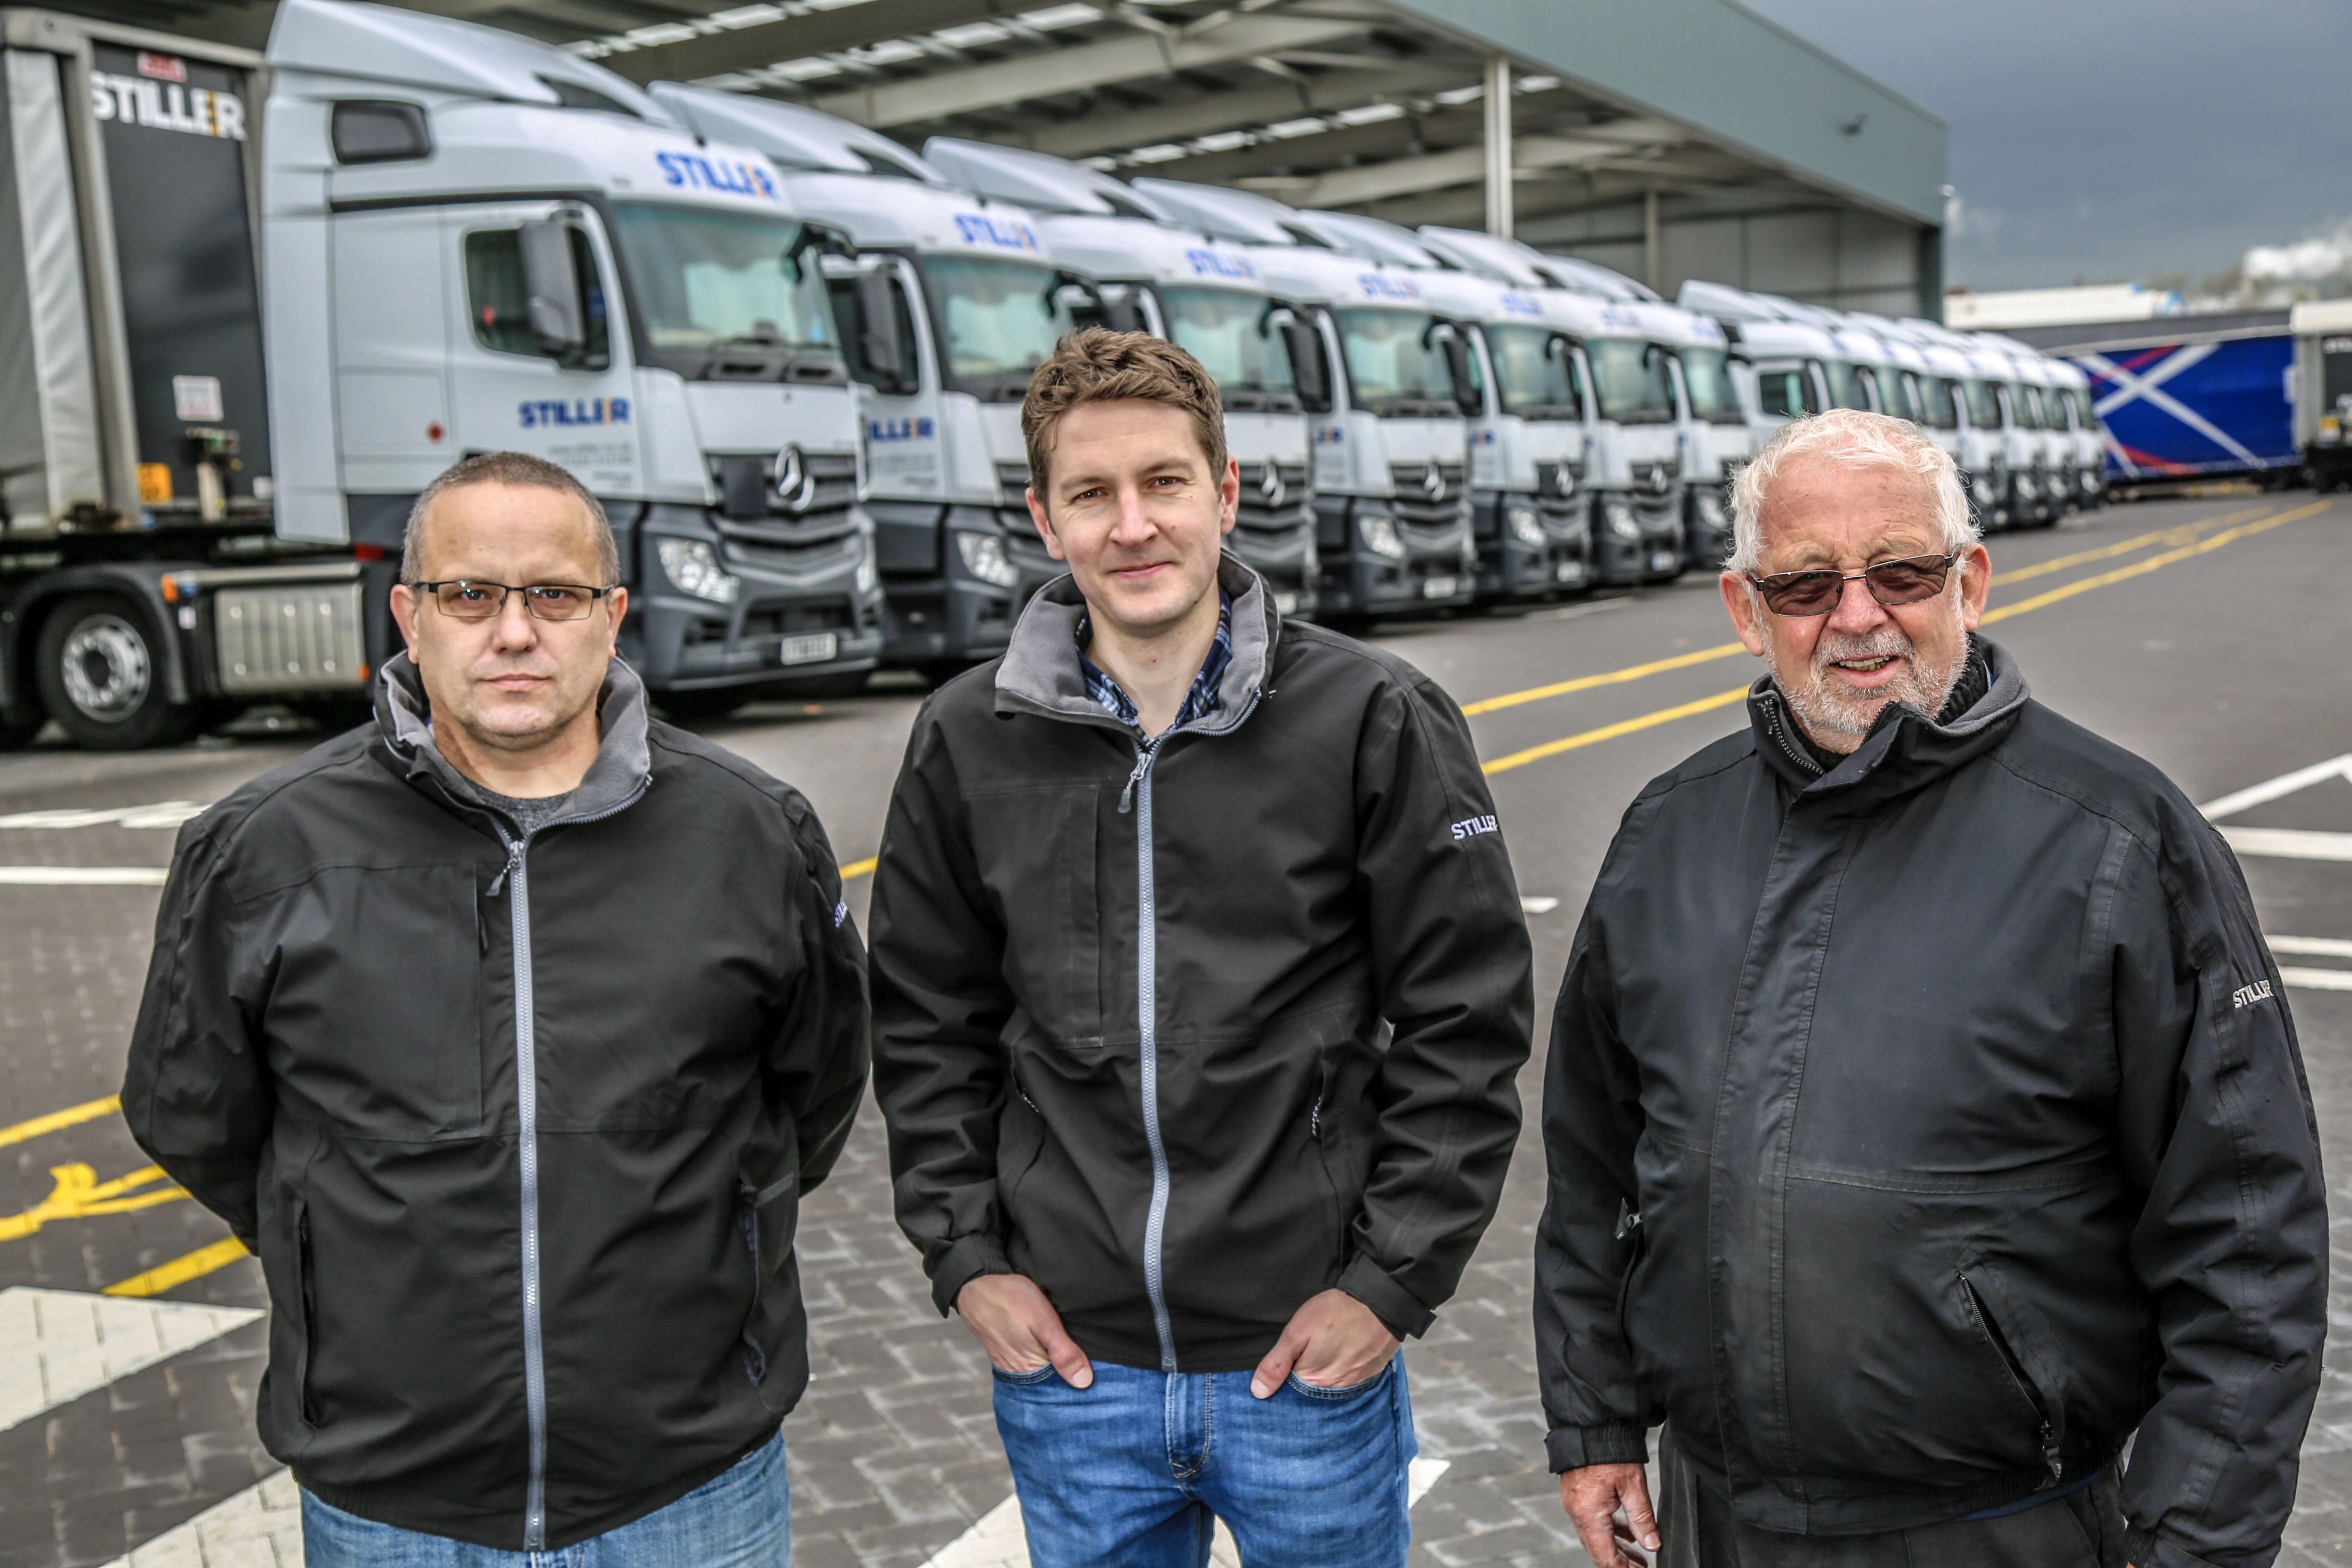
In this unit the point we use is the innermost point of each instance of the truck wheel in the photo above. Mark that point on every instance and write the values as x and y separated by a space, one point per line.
688 707
101 675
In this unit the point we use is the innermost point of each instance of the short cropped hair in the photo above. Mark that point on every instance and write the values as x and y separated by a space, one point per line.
1098 366
519 468
1855 439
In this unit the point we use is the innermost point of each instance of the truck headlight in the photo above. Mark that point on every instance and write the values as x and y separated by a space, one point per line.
693 566
869 576
985 557
1525 526
1710 503
1378 531
1618 516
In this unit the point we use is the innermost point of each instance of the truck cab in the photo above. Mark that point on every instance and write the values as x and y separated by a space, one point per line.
2086 448
1152 273
2321 390
1391 472
1632 473
478 242
950 302
1715 432
2015 371
1978 440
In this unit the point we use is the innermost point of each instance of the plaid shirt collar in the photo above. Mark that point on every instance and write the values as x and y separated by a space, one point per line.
1200 700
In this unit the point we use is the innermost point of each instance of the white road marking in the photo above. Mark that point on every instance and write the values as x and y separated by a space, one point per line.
2318 979
2311 946
2284 785
58 1345
1538 906
997 1541
2290 843
83 875
165 814
260 1527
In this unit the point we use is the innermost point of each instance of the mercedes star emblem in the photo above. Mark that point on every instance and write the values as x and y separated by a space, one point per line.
1270 486
795 486
1433 482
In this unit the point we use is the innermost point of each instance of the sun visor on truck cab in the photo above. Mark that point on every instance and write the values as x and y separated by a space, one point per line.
383 44
1038 181
792 136
1243 218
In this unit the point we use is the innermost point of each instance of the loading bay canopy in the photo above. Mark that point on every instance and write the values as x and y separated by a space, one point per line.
1620 120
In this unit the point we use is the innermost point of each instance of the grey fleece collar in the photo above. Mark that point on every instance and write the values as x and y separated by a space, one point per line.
1040 672
2005 693
622 771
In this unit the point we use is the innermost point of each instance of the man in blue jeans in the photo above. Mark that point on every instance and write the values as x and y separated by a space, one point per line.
507 1030
1200 981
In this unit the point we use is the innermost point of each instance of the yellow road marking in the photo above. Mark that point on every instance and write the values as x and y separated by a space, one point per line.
180 1270
2082 585
1610 731
858 868
2153 563
1614 678
2180 533
71 1116
77 1194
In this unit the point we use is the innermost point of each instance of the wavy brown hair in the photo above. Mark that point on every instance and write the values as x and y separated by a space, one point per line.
1101 367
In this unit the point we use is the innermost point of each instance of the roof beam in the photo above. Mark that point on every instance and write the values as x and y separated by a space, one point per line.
817 33
1466 165
1075 70
1241 110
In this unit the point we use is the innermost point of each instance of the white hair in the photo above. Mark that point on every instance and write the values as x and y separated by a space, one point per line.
1855 439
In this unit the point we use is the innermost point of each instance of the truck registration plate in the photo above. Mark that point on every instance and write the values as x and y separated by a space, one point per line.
1661 560
1439 587
1569 572
809 648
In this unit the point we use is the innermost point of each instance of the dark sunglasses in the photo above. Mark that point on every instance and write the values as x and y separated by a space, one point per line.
1905 582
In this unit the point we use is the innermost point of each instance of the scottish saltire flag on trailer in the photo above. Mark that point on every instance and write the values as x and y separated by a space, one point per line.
2195 408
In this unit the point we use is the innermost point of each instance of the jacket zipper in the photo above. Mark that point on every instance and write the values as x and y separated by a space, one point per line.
516 878
2050 1456
1147 1013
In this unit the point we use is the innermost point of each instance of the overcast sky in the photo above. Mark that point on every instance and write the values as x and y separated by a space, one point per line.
2114 140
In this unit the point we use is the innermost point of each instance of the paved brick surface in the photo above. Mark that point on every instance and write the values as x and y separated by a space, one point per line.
894 1455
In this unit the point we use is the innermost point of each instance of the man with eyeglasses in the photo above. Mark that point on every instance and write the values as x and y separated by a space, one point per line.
1923 1112
508 1029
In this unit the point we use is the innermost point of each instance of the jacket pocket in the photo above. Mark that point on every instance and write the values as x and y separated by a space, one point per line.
2039 1405
306 1276
1035 848
765 1219
1323 1131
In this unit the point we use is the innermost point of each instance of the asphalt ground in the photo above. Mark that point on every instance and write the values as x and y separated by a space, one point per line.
2208 635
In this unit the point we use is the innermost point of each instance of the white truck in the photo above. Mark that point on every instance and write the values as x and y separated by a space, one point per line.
1150 274
1714 429
471 242
2321 390
949 304
1390 475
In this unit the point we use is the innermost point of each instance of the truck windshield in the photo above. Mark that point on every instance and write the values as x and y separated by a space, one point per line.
1629 381
1395 363
1846 390
1706 376
1000 319
1937 408
1534 371
1233 335
707 281
1786 390
2026 403
1984 408
1898 393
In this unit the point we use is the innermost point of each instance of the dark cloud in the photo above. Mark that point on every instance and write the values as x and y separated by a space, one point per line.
2106 141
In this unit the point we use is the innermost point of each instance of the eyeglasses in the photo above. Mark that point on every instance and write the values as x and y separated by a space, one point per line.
1905 582
470 601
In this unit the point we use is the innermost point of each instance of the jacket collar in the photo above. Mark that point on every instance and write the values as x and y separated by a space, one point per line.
1905 749
622 771
1040 672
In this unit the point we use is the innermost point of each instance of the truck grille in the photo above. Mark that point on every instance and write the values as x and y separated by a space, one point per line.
1430 495
1288 504
1013 487
749 484
305 638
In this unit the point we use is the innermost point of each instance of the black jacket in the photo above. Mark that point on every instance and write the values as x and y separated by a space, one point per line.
1301 896
349 965
1920 1130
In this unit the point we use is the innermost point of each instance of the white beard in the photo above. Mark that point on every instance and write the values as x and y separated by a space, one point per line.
1836 715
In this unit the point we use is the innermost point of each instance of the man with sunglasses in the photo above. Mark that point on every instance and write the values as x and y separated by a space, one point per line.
1923 1112
508 1029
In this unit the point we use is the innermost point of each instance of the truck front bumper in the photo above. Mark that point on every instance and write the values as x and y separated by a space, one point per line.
794 610
1637 541
1528 550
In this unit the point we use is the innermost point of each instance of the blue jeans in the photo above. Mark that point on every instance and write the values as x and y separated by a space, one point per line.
1131 1472
742 1518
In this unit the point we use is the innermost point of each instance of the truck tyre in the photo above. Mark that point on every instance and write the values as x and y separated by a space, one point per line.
101 675
711 702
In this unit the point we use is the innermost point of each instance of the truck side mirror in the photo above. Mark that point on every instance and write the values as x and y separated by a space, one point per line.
881 350
1307 366
558 314
1121 312
1467 395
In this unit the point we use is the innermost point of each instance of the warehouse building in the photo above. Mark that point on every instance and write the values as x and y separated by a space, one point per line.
1672 139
